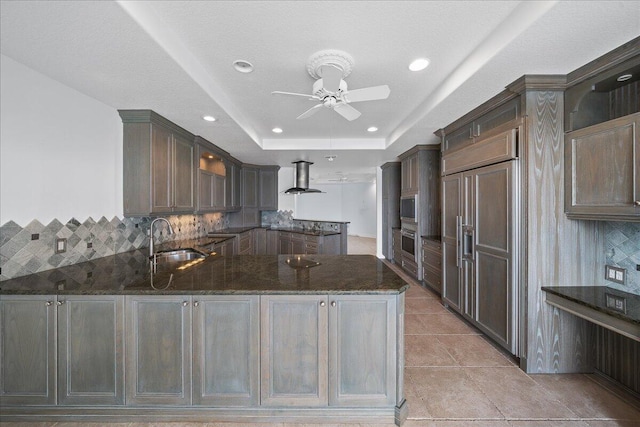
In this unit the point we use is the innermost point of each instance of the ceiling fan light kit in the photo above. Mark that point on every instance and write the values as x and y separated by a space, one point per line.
329 68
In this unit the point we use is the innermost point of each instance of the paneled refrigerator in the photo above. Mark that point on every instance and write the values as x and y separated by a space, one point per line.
479 241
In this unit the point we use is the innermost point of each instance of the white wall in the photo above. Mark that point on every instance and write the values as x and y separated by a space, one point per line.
359 207
60 150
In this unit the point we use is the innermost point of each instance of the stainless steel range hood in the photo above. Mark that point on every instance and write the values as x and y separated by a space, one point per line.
302 179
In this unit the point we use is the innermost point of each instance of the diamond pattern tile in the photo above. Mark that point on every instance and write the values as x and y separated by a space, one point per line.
622 248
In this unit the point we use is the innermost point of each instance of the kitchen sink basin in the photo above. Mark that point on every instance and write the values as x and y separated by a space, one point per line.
178 255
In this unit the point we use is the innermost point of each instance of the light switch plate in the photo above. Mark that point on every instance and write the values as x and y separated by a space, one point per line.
615 274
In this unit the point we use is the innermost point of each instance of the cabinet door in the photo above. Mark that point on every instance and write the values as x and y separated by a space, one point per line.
161 176
294 369
451 230
226 350
219 189
602 170
249 188
158 342
90 350
362 350
284 242
273 242
458 138
397 246
268 189
297 244
205 191
493 280
232 187
27 350
183 175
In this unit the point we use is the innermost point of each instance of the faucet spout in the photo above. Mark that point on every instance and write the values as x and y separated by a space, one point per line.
151 239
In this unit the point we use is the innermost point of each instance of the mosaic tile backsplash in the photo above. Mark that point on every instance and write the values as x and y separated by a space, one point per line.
622 249
32 249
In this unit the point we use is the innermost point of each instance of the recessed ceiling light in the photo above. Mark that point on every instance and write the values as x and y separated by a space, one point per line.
419 64
372 129
276 130
209 118
243 66
624 77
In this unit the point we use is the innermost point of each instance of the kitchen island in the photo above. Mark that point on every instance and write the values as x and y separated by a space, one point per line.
242 338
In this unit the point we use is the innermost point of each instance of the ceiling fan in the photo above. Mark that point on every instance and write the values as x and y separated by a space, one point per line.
330 67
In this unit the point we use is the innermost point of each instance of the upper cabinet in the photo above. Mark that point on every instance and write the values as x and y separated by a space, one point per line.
212 176
233 186
158 165
269 188
602 150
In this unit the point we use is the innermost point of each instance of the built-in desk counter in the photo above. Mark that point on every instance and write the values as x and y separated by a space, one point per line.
610 308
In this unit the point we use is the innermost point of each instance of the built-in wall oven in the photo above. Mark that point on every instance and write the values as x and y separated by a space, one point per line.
408 241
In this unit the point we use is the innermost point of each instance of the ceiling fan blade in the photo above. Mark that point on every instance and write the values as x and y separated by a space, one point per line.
367 94
311 97
311 111
347 111
331 76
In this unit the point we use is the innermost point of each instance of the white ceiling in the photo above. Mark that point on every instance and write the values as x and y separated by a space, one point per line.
175 57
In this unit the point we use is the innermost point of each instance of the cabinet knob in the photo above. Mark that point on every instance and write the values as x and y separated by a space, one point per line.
333 303
196 303
637 203
185 303
322 304
49 303
60 302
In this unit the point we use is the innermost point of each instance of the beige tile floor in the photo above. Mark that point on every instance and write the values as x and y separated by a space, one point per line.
456 377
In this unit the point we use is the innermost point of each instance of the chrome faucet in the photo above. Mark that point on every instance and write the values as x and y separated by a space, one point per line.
151 242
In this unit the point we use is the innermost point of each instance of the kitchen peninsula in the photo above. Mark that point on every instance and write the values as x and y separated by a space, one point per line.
219 338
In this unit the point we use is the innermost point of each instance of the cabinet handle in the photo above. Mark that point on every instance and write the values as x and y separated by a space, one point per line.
637 203
196 303
322 304
333 303
185 303
60 302
49 303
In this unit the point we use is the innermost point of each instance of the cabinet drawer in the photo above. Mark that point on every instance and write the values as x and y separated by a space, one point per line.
432 277
432 257
410 266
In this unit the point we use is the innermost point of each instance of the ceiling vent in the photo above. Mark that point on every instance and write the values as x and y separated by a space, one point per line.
302 179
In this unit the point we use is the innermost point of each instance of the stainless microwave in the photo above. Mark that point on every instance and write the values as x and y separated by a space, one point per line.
409 208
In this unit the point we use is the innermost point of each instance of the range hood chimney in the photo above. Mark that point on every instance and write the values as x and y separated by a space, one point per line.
302 179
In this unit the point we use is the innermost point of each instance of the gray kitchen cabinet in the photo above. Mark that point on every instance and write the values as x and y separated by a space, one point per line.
158 346
212 175
284 243
409 178
362 350
226 355
158 165
27 350
90 350
397 246
432 264
233 184
337 350
297 243
294 360
245 243
250 181
268 177
451 243
226 248
259 241
273 242
602 171
390 205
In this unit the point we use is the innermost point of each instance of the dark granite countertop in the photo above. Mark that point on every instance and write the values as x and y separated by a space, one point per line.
306 232
322 220
129 273
595 297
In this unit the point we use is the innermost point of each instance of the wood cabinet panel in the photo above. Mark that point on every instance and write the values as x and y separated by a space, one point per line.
269 189
183 173
294 368
362 352
250 180
161 153
91 350
602 170
27 350
226 355
158 350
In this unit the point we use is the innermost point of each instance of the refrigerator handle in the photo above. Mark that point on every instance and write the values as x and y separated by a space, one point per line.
467 245
459 241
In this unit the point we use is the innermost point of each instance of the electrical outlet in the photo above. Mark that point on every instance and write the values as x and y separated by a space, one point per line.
615 274
61 245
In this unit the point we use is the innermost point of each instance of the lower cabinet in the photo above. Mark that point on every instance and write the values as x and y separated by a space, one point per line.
90 350
397 246
320 350
27 350
88 342
226 355
158 350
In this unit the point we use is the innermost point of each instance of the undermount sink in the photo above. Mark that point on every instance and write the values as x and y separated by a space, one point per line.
178 255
